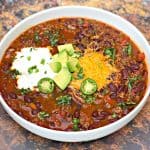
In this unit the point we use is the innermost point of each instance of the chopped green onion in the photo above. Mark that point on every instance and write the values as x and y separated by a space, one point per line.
114 115
105 91
129 102
64 100
77 54
42 61
111 52
42 115
132 80
14 73
33 69
122 105
53 37
126 104
24 91
88 98
80 21
36 37
128 49
80 74
29 58
31 49
75 122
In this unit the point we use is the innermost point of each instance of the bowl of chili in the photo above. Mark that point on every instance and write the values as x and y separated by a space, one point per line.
85 106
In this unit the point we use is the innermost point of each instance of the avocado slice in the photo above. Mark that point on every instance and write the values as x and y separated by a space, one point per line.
62 57
66 47
63 78
72 64
56 66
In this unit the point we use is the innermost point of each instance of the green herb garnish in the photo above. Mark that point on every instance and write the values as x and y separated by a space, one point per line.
75 122
132 81
80 21
122 105
21 56
53 37
126 104
77 54
42 115
114 115
88 98
80 74
105 91
42 61
111 52
29 58
64 100
31 49
36 37
24 91
14 73
129 102
128 49
33 69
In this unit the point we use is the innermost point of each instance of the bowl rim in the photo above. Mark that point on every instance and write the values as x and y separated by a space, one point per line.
129 115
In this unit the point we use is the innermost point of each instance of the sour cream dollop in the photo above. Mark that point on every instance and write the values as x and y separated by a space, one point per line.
32 64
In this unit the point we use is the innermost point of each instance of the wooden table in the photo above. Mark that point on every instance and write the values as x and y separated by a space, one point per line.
134 136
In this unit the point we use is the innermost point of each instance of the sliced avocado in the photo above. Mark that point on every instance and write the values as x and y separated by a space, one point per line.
63 78
56 66
66 47
62 57
72 64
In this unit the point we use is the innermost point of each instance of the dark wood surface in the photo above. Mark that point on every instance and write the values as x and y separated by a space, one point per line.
134 136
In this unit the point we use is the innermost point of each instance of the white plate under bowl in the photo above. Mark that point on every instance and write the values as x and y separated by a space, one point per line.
87 12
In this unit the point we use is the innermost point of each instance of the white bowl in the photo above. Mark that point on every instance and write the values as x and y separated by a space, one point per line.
77 11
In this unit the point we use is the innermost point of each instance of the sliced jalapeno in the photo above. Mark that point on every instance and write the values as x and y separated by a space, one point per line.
46 85
88 86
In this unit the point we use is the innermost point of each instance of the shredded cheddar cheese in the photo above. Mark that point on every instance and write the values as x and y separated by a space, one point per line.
95 65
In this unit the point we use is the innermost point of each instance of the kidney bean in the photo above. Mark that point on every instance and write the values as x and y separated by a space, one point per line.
112 87
124 74
81 46
76 114
12 95
35 112
38 104
140 86
113 95
120 88
100 117
28 99
105 113
95 114
134 67
52 124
